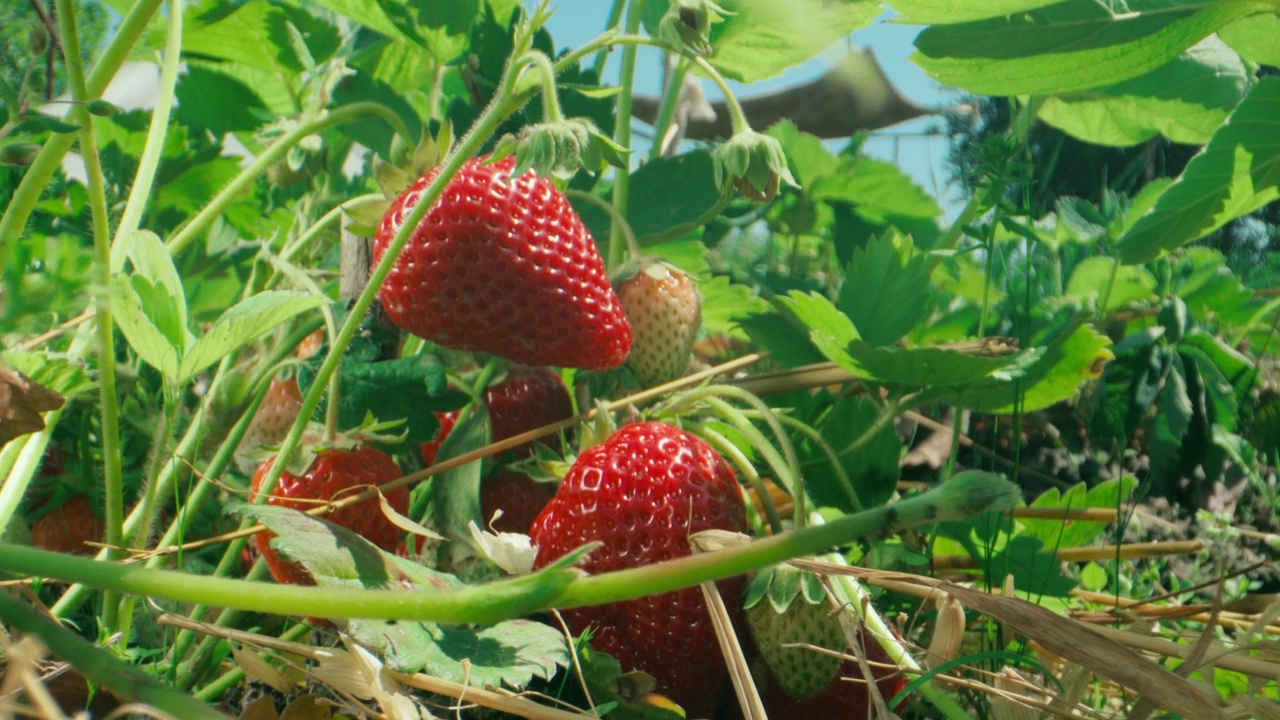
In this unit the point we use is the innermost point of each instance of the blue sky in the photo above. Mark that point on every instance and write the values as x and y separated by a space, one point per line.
576 21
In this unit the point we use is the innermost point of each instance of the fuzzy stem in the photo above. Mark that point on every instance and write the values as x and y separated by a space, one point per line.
486 603
19 462
108 406
962 497
547 72
622 131
149 162
736 115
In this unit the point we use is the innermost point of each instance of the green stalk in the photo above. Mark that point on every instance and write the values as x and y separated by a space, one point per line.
487 603
736 115
107 403
615 16
550 101
275 152
19 462
633 245
47 161
149 162
728 450
101 668
965 495
622 133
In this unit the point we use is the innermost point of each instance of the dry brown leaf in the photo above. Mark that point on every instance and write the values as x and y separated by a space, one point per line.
21 402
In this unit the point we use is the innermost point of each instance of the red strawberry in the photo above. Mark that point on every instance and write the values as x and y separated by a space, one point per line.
519 497
68 527
330 473
642 493
503 266
665 311
528 398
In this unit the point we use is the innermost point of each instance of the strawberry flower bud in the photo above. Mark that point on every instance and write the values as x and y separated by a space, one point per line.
752 163
558 148
687 24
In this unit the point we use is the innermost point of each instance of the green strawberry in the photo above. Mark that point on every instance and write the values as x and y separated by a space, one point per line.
665 311
786 606
792 607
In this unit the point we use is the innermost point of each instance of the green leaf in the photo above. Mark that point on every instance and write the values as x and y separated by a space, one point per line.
1256 38
52 124
872 469
1068 46
886 289
830 330
653 208
946 12
337 557
1058 534
1167 428
761 38
365 12
927 366
1035 572
509 654
147 340
878 190
151 260
1184 100
242 36
1236 173
1091 279
245 322
212 100
1070 355
62 374
397 389
455 494
446 25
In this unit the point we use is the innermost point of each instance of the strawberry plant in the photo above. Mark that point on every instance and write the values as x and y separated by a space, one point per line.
760 417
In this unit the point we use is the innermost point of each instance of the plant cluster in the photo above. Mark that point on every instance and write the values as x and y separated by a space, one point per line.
378 324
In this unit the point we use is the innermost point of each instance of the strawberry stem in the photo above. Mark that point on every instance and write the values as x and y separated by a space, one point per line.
622 130
726 448
965 495
550 99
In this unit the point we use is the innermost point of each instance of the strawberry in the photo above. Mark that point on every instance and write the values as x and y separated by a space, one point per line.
803 683
527 398
519 497
665 312
68 527
642 493
505 266
281 403
329 474
275 415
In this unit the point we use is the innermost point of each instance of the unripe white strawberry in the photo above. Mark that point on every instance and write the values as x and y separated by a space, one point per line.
665 311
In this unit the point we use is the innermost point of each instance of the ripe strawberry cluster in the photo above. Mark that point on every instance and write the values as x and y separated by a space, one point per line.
504 266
